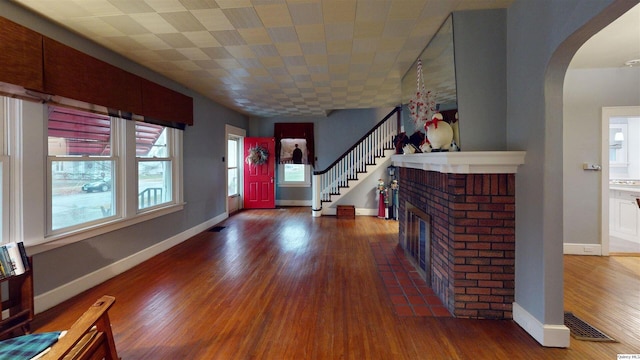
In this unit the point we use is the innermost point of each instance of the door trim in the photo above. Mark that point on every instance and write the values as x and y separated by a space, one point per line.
241 133
607 113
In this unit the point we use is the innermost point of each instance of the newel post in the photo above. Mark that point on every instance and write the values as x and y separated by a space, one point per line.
316 203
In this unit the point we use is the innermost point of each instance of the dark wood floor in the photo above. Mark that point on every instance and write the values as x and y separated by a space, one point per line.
279 284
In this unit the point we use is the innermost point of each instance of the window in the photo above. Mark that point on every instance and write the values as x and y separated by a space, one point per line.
97 181
618 138
293 170
4 161
233 146
82 165
154 163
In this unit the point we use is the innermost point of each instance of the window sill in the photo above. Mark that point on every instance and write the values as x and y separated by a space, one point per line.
293 185
59 240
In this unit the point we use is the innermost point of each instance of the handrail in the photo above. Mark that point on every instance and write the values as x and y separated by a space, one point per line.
362 139
353 162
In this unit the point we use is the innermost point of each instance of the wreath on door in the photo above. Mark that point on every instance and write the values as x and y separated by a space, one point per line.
258 155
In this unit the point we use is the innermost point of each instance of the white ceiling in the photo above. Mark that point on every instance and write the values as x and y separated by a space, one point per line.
612 46
268 57
289 57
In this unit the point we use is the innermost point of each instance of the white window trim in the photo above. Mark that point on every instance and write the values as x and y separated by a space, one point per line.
305 183
174 144
241 134
36 239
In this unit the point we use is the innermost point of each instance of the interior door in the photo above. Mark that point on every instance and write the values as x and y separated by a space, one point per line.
259 178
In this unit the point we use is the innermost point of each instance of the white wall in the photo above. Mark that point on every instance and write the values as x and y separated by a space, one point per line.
586 92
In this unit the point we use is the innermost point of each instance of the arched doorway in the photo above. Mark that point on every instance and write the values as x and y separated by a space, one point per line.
595 80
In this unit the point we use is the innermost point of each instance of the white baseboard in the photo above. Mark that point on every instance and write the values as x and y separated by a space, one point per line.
56 296
293 202
582 249
546 335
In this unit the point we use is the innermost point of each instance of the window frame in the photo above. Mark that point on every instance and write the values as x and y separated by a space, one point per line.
284 183
237 167
116 168
174 141
5 169
125 197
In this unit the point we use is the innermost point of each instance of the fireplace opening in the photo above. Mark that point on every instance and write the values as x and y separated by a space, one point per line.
417 240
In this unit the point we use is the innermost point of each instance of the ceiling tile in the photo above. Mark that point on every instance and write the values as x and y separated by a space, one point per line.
176 40
170 54
255 36
230 4
339 11
274 15
149 41
213 19
199 4
289 49
315 48
202 39
243 17
165 5
268 57
240 51
282 34
367 29
154 22
306 13
228 37
310 32
194 54
131 7
183 21
217 53
125 24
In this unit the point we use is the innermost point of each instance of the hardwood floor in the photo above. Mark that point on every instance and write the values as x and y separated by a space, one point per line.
279 284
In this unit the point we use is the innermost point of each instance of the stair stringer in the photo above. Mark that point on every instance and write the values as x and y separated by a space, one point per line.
329 208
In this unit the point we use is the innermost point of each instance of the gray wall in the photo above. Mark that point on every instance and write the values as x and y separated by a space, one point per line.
204 174
542 37
480 64
334 134
480 56
586 91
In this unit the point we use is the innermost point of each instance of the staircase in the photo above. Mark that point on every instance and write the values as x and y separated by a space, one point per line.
369 153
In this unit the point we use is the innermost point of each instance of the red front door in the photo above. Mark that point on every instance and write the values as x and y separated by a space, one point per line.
259 187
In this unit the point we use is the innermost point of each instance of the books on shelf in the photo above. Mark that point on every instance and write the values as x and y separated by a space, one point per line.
13 259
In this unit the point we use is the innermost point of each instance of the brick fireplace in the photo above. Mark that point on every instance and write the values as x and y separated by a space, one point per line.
471 217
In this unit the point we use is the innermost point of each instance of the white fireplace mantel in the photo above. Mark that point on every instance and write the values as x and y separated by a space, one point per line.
463 162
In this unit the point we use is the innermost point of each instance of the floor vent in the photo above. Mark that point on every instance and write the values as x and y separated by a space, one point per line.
580 330
216 228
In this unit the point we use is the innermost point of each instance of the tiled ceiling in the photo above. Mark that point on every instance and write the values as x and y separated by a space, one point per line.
268 58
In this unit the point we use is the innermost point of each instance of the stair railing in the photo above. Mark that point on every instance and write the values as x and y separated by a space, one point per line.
364 152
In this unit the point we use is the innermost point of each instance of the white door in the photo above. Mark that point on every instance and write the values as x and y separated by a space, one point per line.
234 162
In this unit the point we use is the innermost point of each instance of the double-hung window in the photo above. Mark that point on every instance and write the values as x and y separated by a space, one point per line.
82 168
99 180
154 160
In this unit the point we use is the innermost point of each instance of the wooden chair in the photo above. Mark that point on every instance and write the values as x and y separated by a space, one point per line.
90 337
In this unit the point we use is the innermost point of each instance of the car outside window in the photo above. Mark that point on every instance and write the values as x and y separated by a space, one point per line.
82 163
